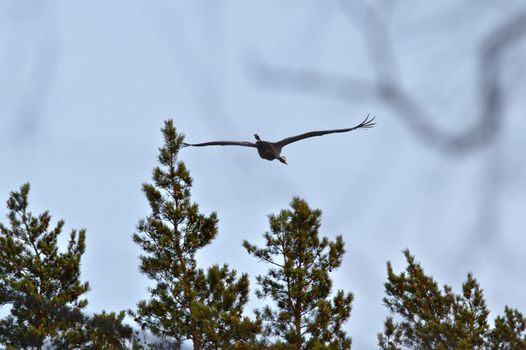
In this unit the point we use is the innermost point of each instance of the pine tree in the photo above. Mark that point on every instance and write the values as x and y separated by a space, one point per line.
509 332
41 285
431 318
186 302
298 282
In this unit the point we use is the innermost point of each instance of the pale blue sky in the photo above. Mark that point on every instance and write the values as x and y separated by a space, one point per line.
86 85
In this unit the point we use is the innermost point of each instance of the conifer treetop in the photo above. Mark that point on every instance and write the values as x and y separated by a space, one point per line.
42 284
186 302
430 317
298 282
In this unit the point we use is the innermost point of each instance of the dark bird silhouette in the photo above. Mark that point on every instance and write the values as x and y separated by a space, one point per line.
272 150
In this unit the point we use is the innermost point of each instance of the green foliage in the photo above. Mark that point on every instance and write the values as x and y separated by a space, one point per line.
391 339
509 331
185 302
431 318
105 330
299 284
41 285
100 331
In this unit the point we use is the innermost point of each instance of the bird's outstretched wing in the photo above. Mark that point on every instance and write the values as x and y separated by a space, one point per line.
221 143
367 123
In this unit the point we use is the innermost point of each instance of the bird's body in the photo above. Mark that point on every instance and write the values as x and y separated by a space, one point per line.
269 150
272 150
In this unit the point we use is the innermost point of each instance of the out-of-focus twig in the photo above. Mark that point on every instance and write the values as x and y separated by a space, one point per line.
387 89
33 31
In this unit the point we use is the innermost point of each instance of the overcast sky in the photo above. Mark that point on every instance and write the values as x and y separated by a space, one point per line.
86 85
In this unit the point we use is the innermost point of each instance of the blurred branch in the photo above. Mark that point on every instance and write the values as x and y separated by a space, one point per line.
387 89
34 31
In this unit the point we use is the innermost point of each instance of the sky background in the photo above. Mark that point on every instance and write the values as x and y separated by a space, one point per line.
86 85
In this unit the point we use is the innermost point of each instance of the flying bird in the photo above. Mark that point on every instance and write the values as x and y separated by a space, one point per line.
272 150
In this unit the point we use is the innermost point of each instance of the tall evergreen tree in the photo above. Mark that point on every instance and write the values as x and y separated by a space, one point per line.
186 302
299 284
41 285
430 318
509 331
